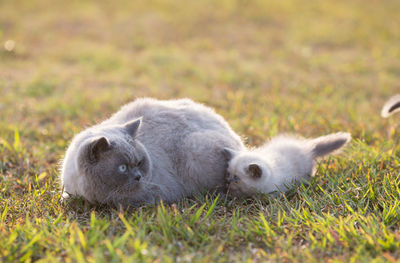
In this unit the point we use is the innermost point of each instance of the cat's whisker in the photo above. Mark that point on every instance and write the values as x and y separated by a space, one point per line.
138 134
110 196
150 183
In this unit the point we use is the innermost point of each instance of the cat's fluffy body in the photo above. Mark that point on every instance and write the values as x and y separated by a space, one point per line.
278 164
172 149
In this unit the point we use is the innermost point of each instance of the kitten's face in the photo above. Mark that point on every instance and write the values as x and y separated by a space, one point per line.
114 165
245 175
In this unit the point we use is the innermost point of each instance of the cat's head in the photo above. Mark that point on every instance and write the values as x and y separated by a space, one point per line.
110 162
246 173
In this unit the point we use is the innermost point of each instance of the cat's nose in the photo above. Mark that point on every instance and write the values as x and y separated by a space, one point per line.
137 175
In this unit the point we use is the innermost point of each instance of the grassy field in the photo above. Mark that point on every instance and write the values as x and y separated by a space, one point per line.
307 67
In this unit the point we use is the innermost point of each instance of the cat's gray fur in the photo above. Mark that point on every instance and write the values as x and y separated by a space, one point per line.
171 149
280 163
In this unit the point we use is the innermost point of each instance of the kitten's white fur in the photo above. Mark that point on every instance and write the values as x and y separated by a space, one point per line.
282 161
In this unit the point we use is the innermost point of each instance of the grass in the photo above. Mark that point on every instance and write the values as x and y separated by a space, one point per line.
307 67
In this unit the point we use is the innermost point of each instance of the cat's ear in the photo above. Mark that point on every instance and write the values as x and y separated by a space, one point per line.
228 153
133 126
96 147
254 170
391 106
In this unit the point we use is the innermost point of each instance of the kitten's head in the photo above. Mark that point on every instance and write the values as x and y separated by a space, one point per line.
110 162
246 173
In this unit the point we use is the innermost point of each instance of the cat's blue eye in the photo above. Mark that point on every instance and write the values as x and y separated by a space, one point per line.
122 168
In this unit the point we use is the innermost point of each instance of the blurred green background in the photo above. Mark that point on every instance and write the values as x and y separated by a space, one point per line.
307 67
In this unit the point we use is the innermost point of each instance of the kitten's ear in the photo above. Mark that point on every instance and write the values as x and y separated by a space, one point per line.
96 147
133 126
391 106
228 153
254 170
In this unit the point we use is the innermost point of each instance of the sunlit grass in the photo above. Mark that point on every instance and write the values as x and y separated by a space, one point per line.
307 67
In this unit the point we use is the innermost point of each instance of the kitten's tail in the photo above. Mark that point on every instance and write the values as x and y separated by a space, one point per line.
328 144
391 106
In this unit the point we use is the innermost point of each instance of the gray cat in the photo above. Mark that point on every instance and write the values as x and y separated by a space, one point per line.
148 151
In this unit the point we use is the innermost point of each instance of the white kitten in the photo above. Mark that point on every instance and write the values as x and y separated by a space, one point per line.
279 163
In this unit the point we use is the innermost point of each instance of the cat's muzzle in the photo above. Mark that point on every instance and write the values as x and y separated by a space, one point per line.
230 180
137 175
